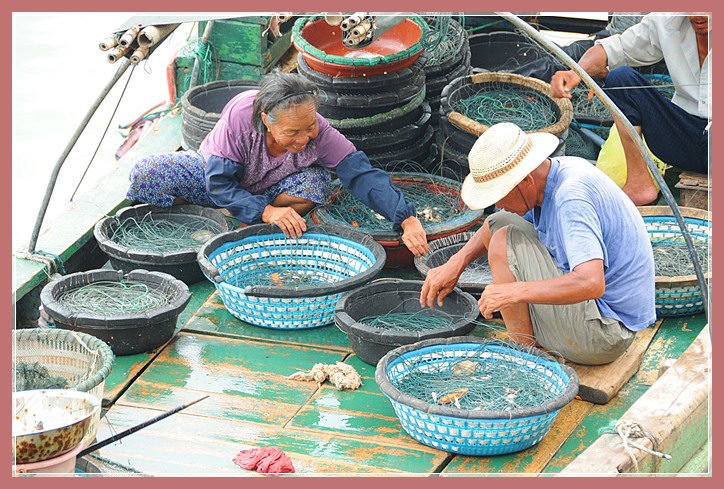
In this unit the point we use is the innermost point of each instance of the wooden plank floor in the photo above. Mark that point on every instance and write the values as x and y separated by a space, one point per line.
251 403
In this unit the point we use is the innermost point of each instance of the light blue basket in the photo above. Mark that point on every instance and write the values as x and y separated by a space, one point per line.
473 432
335 259
681 295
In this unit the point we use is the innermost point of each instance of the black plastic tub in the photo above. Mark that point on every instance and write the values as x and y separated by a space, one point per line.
126 333
383 296
408 113
502 51
180 263
414 150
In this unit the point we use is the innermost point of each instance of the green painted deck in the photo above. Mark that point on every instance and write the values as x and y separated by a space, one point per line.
244 368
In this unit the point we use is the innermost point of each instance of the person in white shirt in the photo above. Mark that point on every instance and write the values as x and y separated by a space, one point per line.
676 131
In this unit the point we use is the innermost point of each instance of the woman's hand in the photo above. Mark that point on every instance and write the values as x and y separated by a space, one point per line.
414 236
290 222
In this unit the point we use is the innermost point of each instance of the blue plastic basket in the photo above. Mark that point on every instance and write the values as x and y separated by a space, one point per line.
474 432
681 295
336 259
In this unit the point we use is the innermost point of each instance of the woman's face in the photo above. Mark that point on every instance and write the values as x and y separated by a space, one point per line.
294 127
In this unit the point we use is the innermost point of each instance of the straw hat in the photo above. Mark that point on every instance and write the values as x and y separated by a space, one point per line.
500 159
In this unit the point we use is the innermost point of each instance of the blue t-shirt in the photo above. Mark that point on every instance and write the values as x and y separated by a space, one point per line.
586 216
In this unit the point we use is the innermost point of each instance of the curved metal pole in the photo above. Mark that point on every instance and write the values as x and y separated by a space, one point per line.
668 196
125 63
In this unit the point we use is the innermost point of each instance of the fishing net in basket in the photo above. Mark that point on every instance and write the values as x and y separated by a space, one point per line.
577 144
106 297
163 233
475 396
678 291
475 102
436 199
270 280
45 358
475 276
480 381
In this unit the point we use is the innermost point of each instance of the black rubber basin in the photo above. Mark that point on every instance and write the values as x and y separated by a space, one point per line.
384 296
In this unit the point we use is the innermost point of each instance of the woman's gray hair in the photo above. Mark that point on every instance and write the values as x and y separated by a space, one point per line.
277 92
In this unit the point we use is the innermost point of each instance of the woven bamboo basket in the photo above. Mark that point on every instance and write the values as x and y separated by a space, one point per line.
83 360
481 81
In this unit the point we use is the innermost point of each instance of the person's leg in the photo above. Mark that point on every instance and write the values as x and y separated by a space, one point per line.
169 178
639 184
517 316
577 332
673 135
302 190
302 206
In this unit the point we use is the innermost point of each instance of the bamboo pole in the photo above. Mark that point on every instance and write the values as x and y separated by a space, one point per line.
116 53
133 429
204 41
140 54
109 42
129 36
56 170
153 34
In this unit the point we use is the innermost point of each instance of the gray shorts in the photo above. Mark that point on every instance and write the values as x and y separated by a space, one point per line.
577 332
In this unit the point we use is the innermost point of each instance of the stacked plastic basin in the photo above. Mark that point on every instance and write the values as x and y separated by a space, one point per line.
374 95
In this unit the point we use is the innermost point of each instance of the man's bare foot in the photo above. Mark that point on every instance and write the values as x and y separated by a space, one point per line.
641 196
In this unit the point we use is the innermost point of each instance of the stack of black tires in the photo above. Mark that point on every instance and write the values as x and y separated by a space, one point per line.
387 116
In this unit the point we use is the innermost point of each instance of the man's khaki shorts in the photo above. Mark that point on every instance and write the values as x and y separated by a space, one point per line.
577 332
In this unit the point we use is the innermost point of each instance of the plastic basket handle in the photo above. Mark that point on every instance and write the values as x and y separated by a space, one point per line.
211 272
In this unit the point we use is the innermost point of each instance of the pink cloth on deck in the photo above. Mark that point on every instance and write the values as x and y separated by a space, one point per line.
265 460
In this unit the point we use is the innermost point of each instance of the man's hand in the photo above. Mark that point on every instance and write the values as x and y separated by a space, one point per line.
496 297
290 222
414 236
563 82
439 283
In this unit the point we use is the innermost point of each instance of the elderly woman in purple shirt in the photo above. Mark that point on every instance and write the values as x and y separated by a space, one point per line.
269 159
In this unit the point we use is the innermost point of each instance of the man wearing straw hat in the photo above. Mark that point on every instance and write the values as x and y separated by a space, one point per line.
572 264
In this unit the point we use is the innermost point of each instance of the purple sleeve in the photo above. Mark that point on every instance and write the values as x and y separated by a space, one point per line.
231 132
332 147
